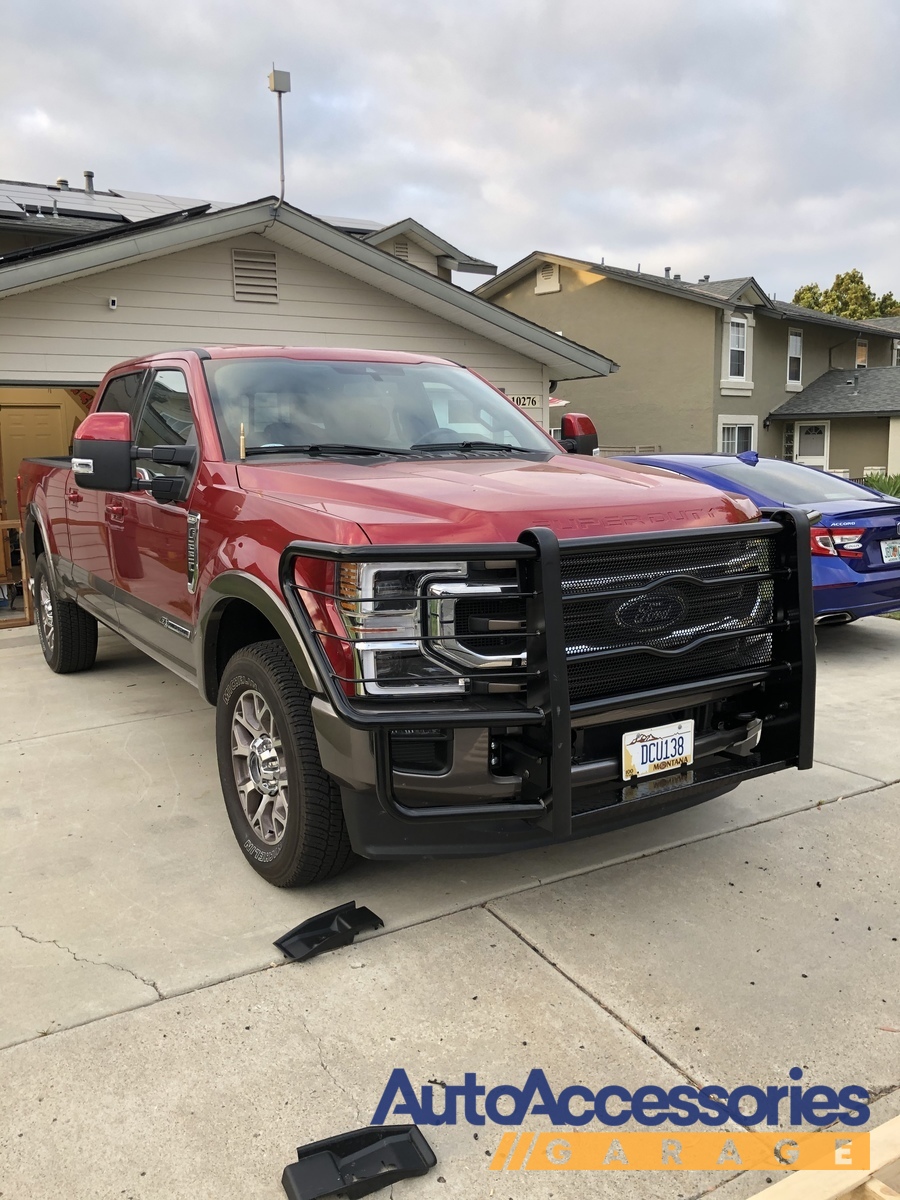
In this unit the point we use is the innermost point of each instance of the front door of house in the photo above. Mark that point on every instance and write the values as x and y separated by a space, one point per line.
811 439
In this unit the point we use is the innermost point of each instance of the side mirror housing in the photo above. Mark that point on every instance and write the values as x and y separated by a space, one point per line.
166 489
101 453
578 434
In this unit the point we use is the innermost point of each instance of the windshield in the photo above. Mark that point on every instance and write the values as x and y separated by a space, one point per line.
302 403
790 483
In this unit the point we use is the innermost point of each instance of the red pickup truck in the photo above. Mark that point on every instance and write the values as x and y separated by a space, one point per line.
427 628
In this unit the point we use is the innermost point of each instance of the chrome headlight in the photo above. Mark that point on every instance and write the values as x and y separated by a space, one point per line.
380 607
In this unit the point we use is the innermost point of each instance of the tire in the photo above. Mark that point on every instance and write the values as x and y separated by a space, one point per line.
285 811
68 634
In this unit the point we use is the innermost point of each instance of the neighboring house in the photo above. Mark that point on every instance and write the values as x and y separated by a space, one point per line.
704 366
258 273
859 410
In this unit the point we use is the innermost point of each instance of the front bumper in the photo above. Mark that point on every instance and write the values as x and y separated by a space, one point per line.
545 768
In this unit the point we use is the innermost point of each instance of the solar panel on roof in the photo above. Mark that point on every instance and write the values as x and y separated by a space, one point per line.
9 209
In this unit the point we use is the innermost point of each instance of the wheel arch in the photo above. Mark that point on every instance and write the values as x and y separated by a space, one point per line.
237 610
37 541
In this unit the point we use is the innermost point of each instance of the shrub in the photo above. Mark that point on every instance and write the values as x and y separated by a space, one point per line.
884 483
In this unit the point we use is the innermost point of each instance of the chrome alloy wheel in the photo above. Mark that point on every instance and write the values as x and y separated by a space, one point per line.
45 614
260 772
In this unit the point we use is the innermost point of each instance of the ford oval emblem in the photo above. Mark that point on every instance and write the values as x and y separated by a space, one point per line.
658 610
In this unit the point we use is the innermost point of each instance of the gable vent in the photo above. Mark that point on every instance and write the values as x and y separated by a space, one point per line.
254 275
547 278
401 249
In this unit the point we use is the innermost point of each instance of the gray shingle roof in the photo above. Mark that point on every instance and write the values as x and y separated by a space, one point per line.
860 393
724 288
822 318
892 324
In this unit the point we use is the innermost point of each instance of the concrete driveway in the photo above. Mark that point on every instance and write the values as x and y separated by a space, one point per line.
156 1045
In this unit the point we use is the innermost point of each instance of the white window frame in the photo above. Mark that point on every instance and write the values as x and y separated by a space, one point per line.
735 323
862 344
794 385
737 420
734 385
896 353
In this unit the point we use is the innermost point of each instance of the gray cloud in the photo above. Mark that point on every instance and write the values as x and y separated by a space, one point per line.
686 133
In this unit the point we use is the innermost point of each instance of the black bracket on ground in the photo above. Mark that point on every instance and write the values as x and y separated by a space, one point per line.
327 931
358 1163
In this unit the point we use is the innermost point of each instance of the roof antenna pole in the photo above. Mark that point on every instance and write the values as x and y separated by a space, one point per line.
243 443
279 83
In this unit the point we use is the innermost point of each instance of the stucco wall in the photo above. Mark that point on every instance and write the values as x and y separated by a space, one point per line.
857 443
662 393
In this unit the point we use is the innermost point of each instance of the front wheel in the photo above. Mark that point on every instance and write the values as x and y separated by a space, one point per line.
284 809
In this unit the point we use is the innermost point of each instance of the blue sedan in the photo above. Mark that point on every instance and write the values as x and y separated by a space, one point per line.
855 542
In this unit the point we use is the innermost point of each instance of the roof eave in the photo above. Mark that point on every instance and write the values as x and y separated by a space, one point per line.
563 358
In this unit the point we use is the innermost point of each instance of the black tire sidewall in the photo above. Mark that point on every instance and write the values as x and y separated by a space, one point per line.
244 673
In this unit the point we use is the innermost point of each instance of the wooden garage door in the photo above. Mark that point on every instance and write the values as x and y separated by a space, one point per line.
27 431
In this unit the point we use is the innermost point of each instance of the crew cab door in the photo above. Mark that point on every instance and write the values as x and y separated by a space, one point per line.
89 514
149 540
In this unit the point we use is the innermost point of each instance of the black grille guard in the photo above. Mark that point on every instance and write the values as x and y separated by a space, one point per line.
544 712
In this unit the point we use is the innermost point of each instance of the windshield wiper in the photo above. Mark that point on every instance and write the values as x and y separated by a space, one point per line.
471 446
324 448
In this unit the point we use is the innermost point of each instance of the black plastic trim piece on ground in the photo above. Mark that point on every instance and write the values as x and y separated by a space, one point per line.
358 1163
327 931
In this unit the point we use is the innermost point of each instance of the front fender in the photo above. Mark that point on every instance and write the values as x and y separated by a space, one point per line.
240 585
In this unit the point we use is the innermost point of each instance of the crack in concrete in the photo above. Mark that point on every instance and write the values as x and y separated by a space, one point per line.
337 1083
80 958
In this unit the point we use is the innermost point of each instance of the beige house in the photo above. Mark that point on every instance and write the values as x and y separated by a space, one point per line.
258 273
704 366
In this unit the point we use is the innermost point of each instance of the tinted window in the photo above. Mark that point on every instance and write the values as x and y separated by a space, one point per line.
122 395
296 402
788 483
167 420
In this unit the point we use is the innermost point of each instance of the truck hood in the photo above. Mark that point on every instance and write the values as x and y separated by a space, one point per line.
493 499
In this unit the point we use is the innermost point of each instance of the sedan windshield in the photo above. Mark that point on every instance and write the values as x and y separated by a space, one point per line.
790 483
308 406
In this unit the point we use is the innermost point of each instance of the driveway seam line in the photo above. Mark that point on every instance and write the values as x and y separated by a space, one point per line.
862 774
585 991
37 737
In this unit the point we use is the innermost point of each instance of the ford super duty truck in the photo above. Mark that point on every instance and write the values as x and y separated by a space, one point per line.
427 628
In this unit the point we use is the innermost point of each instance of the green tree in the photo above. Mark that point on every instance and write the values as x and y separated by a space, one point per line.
849 296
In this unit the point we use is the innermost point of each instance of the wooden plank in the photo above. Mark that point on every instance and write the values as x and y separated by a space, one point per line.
884 1152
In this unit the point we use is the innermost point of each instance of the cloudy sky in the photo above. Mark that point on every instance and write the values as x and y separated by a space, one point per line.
710 137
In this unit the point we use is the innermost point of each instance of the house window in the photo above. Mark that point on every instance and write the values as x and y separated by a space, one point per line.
737 350
737 433
795 355
862 352
897 354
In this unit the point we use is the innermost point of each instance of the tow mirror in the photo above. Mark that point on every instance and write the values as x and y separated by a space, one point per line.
103 457
101 452
578 434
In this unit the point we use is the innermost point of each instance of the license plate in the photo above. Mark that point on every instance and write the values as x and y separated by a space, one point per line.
890 551
661 748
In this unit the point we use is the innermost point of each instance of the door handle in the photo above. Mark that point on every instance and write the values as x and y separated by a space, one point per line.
115 509
74 497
